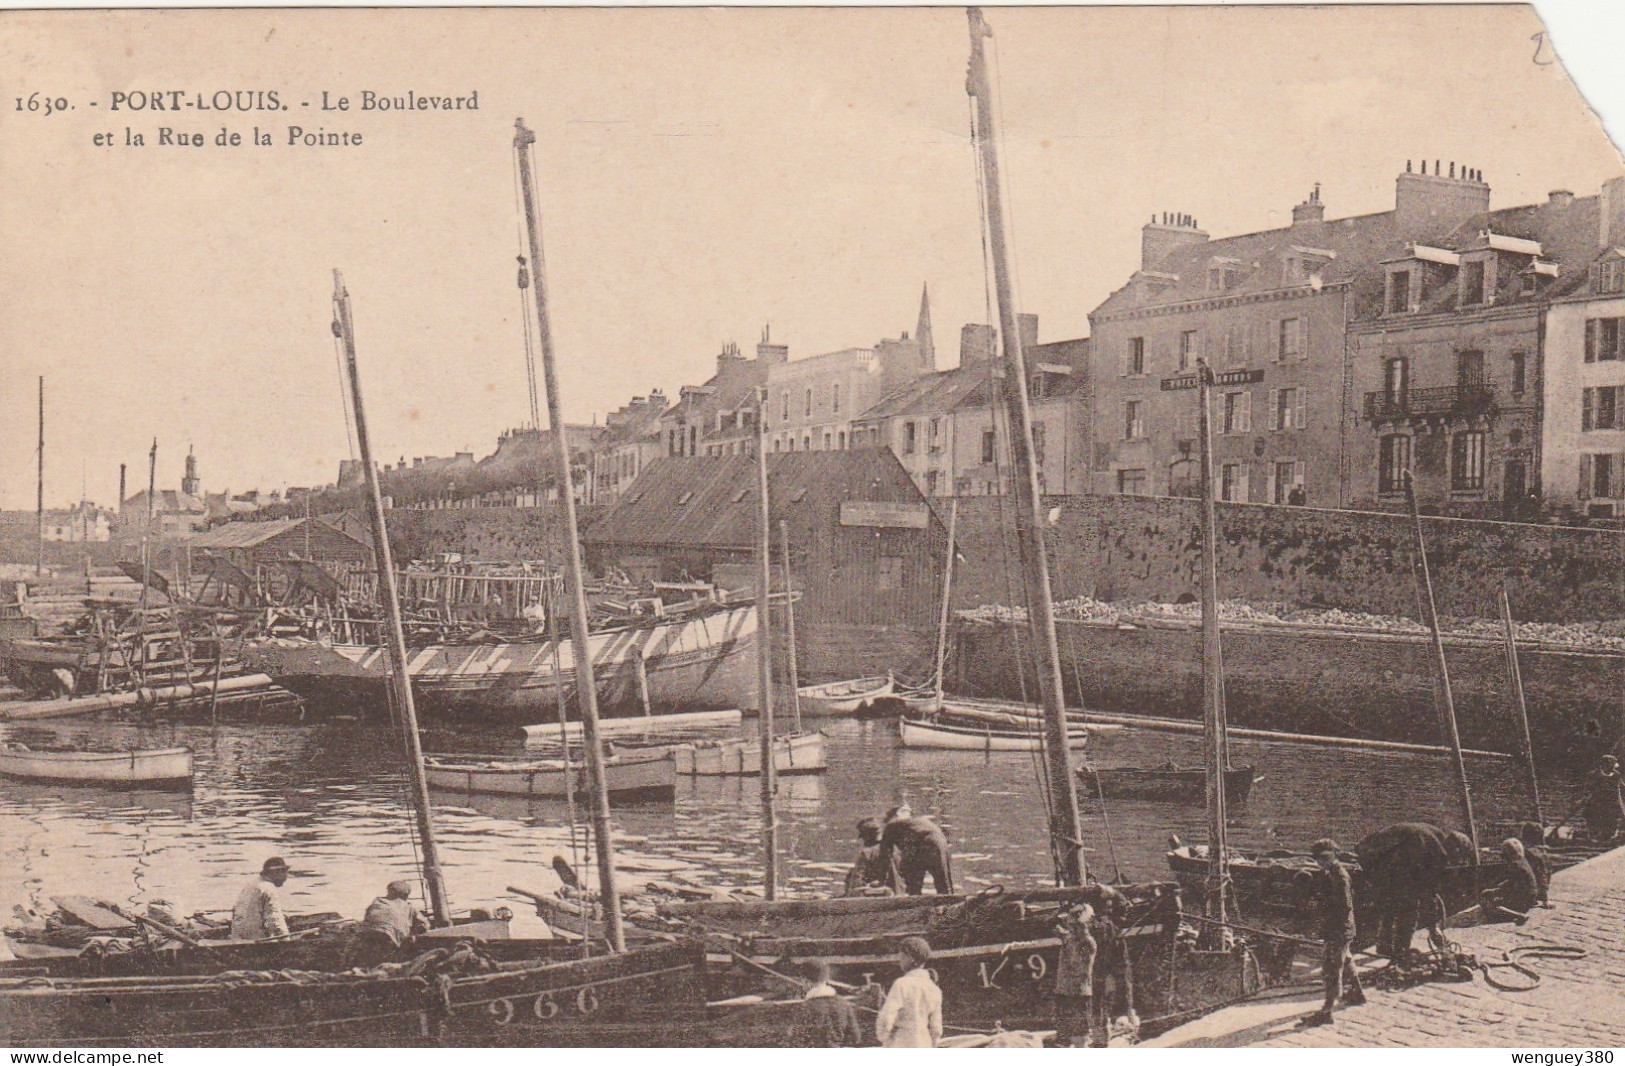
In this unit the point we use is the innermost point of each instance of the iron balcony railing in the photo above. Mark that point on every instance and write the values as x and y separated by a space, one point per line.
1449 401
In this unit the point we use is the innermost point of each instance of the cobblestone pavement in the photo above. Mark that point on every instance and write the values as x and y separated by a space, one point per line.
1576 1004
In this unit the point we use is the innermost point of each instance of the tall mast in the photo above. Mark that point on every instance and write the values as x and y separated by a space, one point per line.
764 663
1515 685
146 530
586 686
947 594
405 710
1065 824
1446 703
39 511
1213 717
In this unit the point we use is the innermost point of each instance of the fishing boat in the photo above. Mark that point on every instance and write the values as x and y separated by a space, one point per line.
793 753
842 698
639 775
951 736
1170 784
139 768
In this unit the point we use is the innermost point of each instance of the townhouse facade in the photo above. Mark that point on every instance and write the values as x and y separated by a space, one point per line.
632 439
719 417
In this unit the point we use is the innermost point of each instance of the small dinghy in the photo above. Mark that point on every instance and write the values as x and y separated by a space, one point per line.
839 698
141 768
793 753
644 775
953 736
1173 784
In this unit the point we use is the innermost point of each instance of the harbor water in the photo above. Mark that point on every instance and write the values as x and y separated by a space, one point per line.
329 797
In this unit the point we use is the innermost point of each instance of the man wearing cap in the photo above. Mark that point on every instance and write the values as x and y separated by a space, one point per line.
1075 978
912 1013
1336 931
391 919
868 875
258 912
911 847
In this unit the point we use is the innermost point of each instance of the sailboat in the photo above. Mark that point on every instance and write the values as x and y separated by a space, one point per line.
466 992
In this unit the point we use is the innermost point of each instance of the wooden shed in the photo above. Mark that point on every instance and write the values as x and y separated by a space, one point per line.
260 550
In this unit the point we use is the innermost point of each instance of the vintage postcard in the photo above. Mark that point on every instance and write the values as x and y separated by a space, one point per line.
809 527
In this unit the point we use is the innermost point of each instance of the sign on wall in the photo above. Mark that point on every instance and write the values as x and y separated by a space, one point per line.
885 515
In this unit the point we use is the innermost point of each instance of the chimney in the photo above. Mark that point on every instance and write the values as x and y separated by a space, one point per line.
1157 239
1027 330
1559 199
1311 210
770 353
975 344
1611 209
728 356
1428 206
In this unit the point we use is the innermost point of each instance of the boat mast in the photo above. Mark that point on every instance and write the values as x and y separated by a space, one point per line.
1213 711
1066 833
790 627
1446 704
146 532
1515 684
39 511
947 592
586 687
764 660
395 636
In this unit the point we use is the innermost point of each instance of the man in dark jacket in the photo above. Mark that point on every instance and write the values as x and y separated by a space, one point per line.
1406 865
824 1018
868 875
1518 892
918 847
1534 850
1336 894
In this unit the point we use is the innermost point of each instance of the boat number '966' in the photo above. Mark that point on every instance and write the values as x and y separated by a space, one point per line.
1035 966
545 1008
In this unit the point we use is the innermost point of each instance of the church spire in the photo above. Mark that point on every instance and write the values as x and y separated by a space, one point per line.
922 331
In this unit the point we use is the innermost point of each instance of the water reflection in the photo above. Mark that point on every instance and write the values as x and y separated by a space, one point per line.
329 799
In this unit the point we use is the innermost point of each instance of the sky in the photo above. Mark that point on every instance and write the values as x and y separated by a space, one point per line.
702 174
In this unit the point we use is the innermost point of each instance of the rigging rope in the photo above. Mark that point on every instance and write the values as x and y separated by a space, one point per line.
526 279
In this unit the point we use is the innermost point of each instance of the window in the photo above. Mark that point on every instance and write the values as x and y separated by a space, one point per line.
842 439
809 403
1286 482
1519 378
1394 463
1131 483
935 436
1187 348
1598 476
1469 369
1399 292
1290 344
1599 408
908 438
1472 282
1467 461
1133 428
933 478
1396 380
1602 340
1235 345
1215 279
1609 276
891 573
989 446
828 440
806 443
776 443
1038 443
1238 412
1134 361
835 397
1286 409
785 413
1233 482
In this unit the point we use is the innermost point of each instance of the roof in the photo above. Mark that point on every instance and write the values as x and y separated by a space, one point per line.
168 501
711 502
970 386
253 534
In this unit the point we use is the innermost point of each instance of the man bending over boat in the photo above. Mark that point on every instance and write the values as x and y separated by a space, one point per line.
917 847
258 912
390 921
869 876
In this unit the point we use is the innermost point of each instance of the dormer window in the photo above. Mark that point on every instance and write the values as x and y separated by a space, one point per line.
1399 292
1608 276
1472 283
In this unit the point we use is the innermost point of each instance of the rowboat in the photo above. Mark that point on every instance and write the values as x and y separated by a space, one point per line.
951 736
514 993
643 776
1172 784
793 753
142 768
839 698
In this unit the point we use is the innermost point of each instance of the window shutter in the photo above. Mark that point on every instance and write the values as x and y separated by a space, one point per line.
1301 328
1297 475
1244 418
1241 485
1585 477
1270 495
1275 409
1588 407
1591 340
1300 417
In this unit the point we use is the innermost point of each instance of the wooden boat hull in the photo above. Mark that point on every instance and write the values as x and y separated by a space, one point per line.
840 699
947 737
700 663
648 997
794 753
151 768
644 776
1165 784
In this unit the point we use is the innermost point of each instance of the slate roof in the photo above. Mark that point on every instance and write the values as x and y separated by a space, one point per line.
710 502
253 534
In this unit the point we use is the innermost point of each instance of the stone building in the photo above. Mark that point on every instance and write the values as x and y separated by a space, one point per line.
631 440
719 417
1271 303
1582 457
1445 355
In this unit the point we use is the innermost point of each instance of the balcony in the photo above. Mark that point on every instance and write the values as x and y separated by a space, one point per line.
1451 401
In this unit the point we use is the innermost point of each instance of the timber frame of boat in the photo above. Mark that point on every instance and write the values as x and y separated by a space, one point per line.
499 993
994 954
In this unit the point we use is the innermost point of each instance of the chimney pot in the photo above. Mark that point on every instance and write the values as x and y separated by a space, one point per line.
1452 170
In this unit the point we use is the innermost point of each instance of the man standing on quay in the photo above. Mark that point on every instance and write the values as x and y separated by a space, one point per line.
1337 932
